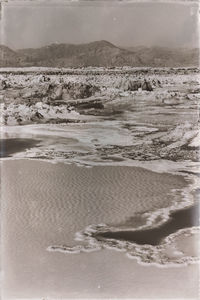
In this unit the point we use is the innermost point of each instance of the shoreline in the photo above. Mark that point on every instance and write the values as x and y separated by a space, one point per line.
154 220
11 146
178 220
45 230
190 178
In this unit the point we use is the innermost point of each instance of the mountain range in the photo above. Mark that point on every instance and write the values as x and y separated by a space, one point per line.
98 54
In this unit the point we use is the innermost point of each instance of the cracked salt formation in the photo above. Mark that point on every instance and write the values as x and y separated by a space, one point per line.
145 125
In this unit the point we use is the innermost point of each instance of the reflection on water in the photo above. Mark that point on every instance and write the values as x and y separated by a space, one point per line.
184 218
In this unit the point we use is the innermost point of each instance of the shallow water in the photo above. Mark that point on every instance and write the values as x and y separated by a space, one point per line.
8 147
184 218
48 203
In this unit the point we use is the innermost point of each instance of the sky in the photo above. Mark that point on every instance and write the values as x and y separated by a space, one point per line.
28 24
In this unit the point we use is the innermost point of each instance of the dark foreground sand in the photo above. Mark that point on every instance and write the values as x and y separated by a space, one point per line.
45 204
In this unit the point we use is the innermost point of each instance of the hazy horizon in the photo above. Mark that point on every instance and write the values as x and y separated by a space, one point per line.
150 24
119 46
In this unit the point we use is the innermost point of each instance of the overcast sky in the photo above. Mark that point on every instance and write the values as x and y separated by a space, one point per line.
26 25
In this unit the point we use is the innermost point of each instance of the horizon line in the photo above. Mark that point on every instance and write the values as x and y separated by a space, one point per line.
98 41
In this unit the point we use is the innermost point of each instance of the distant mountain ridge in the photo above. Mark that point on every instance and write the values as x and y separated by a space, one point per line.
98 54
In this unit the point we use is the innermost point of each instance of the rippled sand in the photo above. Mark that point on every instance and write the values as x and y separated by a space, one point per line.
46 204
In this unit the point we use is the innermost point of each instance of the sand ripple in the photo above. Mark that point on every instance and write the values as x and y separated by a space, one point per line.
68 197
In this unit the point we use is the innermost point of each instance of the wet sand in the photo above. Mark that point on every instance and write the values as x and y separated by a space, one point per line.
103 275
48 203
8 147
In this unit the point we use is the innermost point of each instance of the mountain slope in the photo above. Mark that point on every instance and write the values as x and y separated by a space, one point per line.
98 54
169 57
8 57
101 53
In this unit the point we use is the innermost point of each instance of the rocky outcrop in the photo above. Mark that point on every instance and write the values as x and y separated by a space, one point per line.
37 91
74 90
36 97
3 84
135 85
81 90
146 86
21 114
47 92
